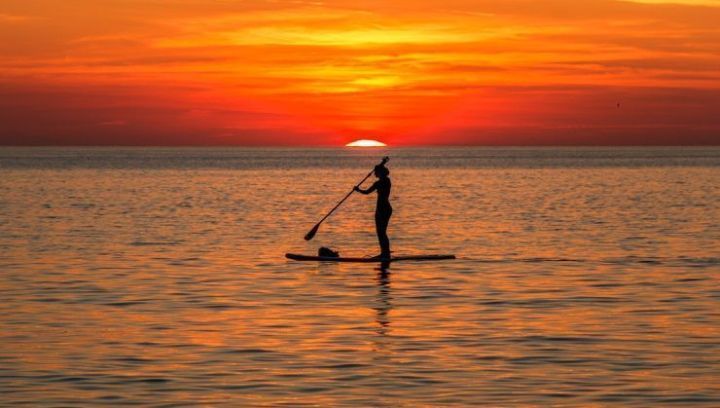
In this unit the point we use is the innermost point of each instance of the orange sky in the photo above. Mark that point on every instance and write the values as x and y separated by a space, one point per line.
202 72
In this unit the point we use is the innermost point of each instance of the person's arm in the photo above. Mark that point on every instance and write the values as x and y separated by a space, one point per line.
368 191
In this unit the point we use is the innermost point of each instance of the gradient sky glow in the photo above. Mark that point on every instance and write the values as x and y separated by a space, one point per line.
202 72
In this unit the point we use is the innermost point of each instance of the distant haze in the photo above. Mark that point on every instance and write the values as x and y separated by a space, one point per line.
406 72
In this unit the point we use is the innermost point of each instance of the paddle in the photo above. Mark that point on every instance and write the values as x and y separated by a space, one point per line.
310 235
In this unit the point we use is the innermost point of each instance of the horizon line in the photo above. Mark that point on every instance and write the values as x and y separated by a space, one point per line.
329 146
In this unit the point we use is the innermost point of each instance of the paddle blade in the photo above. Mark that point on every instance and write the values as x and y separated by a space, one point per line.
310 235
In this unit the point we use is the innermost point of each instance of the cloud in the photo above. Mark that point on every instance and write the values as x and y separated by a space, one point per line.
114 123
9 18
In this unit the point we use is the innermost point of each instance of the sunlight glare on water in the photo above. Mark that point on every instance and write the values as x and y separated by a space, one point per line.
585 277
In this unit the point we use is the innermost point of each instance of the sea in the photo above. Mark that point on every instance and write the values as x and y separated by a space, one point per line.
157 277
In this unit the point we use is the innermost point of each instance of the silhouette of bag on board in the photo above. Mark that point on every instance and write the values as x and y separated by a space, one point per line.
323 251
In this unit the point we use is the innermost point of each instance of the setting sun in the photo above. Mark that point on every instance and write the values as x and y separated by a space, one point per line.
366 143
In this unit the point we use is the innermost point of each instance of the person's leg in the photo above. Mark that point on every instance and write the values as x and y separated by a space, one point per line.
381 224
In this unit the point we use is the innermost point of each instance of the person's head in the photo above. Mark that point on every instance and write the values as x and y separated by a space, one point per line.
381 171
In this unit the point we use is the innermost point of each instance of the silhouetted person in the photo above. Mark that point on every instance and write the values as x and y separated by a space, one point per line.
383 211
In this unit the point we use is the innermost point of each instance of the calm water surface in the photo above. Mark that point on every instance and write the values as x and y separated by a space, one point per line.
156 277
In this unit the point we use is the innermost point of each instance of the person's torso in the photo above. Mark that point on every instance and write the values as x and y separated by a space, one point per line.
383 193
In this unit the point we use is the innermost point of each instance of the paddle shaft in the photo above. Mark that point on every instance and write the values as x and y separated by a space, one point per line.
311 234
345 198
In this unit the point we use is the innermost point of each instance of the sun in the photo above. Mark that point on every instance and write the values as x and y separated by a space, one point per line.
366 143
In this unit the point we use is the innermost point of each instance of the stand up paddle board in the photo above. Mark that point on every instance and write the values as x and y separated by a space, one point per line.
296 257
